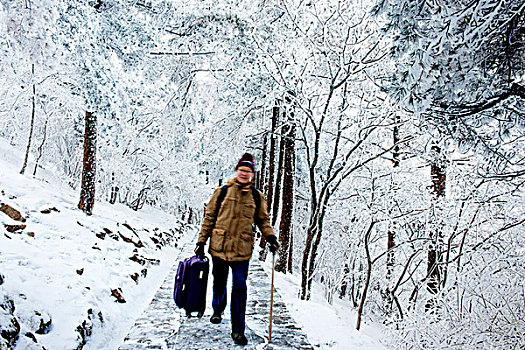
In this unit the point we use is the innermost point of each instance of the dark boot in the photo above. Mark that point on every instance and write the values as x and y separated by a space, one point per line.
216 318
239 339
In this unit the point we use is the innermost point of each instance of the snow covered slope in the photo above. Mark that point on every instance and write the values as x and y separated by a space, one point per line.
62 275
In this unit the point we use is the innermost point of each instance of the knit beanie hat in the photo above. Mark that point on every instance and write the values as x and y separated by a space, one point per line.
246 160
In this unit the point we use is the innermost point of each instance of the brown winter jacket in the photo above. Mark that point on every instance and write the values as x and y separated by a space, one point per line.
231 231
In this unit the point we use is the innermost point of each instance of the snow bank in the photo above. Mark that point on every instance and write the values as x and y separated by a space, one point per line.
60 270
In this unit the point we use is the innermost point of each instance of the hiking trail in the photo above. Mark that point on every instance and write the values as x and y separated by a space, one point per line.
163 326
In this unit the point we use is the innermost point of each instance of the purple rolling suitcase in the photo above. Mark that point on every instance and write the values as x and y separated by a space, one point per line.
191 282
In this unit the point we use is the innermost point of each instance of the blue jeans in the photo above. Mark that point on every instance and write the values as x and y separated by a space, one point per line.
239 290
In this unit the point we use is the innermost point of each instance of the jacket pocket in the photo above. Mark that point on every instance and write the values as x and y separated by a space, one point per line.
246 245
217 239
249 210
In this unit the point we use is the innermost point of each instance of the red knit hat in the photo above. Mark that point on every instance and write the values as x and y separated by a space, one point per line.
246 160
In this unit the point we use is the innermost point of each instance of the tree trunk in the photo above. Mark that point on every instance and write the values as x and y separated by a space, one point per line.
438 175
344 284
310 250
262 172
190 216
22 171
278 181
285 227
395 152
304 265
390 256
292 176
368 274
41 148
363 296
290 253
87 189
315 245
271 161
271 170
114 190
139 202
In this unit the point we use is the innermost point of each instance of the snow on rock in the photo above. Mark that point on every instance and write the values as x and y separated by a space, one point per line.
9 326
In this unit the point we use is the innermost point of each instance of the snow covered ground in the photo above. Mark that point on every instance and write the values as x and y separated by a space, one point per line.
59 271
59 268
327 326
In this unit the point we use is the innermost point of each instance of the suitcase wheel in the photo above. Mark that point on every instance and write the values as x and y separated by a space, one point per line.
200 314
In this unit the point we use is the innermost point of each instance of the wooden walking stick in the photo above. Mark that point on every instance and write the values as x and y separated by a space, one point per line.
271 300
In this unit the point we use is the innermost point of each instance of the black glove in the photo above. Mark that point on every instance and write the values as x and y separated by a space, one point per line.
272 242
199 250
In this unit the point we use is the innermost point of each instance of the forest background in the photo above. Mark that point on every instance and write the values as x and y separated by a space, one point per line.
388 135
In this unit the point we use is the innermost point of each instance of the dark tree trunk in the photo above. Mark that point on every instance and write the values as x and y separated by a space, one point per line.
262 171
390 258
391 240
391 233
433 273
344 284
41 148
32 124
313 238
396 151
278 181
87 189
190 216
114 194
438 175
139 202
285 228
290 253
114 190
271 161
315 245
271 171
304 265
369 264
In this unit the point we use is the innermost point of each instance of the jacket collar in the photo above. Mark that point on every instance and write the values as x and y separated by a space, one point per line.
238 184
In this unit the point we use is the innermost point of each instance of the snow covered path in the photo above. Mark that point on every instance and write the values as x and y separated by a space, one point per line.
163 326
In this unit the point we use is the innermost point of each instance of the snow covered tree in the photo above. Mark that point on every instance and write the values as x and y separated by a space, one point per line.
335 119
29 41
459 66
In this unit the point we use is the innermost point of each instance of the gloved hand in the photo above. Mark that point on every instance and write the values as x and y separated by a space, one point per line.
273 244
199 249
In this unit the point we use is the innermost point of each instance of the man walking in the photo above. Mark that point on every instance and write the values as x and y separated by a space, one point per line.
228 220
